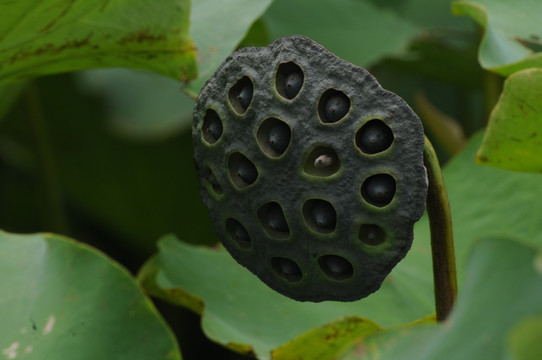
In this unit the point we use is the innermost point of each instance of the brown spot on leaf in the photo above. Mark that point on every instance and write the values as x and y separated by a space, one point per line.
522 108
104 5
140 36
59 16
181 297
51 49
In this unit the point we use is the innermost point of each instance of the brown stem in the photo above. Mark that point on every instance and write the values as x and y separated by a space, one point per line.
442 240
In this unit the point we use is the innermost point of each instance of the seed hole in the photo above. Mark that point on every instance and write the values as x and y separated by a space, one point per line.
212 127
242 171
378 189
336 267
374 137
289 80
240 95
286 269
273 220
320 215
238 233
322 161
274 137
333 106
210 179
372 234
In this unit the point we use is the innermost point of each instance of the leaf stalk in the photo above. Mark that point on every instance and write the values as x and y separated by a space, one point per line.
442 240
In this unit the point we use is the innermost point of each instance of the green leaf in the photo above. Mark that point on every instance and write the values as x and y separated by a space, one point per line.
217 27
356 31
325 343
239 311
433 15
514 136
525 339
503 285
46 37
331 341
445 129
65 300
237 308
140 105
513 36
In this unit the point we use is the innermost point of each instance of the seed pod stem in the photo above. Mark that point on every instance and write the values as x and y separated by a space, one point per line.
442 240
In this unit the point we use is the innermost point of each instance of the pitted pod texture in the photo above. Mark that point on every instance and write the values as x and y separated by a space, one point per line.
313 174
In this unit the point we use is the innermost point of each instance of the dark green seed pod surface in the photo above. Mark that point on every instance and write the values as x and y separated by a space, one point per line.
320 181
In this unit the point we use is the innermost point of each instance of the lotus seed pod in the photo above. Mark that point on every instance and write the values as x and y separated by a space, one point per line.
292 84
320 169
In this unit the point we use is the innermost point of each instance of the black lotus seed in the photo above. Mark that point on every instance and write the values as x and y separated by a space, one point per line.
324 215
279 137
275 218
240 234
336 107
374 137
292 84
289 267
379 189
337 265
247 171
245 96
215 129
212 179
372 234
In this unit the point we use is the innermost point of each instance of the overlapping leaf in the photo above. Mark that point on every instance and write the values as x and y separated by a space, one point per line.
65 300
512 38
241 312
356 31
45 37
217 27
502 288
514 136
